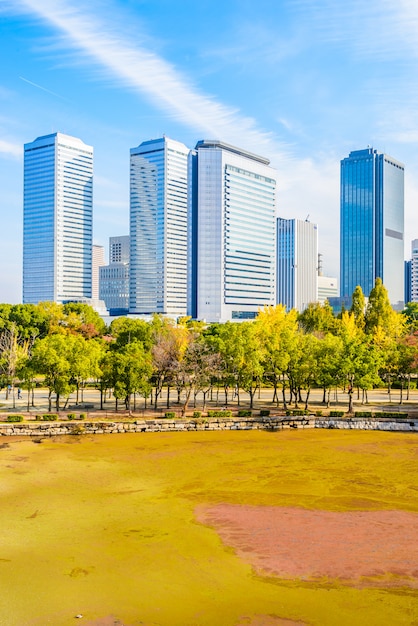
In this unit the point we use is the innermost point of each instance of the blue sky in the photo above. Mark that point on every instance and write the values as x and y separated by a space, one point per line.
302 82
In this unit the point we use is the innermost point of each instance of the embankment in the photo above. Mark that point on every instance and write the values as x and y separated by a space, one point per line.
39 429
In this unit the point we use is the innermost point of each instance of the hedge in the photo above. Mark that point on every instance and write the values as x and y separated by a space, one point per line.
336 413
223 413
14 418
244 413
47 417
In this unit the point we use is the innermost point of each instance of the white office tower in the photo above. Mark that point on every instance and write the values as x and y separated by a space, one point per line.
232 233
98 261
158 228
297 262
114 278
57 221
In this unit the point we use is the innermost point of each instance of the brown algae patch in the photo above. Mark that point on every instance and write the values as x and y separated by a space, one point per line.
362 548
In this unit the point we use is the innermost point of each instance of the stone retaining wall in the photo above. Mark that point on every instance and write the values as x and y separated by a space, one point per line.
369 423
39 429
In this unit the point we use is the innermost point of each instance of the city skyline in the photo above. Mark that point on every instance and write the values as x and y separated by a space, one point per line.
302 83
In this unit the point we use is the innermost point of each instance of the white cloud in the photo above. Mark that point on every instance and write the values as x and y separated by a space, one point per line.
10 149
144 71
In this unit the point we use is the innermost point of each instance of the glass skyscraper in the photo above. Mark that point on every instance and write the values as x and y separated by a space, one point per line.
232 233
158 228
372 223
297 263
57 220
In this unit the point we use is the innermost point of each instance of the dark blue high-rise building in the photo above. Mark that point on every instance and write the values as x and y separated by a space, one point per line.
372 223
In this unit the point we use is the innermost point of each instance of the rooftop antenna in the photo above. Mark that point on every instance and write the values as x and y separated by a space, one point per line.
307 218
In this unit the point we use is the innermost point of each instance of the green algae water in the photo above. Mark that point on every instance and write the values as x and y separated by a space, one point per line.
104 527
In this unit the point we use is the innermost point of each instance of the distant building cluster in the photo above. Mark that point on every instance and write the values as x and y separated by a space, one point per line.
205 239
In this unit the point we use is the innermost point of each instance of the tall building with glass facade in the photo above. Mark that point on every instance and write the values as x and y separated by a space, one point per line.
412 292
97 260
119 248
297 263
232 233
57 219
372 223
114 278
158 228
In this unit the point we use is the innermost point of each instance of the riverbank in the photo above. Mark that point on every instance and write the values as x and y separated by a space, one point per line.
277 423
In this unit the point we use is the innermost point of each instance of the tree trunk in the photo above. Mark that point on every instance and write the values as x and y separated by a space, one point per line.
284 396
186 402
307 398
350 399
252 392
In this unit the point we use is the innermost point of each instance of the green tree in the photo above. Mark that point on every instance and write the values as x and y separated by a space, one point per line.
250 364
352 355
14 353
303 366
278 336
130 371
358 306
329 356
52 358
126 329
81 318
379 313
317 318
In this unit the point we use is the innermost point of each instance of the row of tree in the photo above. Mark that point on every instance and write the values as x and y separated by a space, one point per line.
69 345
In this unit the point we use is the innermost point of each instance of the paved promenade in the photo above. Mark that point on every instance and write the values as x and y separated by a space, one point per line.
90 402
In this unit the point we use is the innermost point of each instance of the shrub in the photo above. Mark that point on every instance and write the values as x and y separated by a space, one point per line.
336 413
222 413
197 414
392 415
82 416
14 418
244 413
318 413
296 412
363 414
264 412
170 415
49 417
71 416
